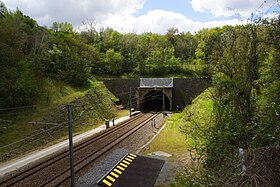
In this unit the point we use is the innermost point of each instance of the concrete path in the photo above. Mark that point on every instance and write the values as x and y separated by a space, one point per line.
32 157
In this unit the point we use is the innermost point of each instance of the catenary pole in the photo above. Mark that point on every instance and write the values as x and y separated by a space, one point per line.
69 109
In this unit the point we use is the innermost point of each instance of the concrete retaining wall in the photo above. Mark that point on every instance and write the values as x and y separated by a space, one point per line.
184 89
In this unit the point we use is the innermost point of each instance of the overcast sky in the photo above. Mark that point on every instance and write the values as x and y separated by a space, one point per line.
140 16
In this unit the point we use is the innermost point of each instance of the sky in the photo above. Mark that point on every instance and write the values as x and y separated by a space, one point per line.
139 16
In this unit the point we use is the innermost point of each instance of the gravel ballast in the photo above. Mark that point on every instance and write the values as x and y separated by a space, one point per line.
129 145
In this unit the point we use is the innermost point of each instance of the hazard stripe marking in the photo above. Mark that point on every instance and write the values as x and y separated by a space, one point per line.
110 178
121 168
125 162
117 171
114 175
130 157
124 165
106 182
129 160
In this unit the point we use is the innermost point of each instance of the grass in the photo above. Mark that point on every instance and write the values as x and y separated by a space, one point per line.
195 123
171 139
197 120
122 113
181 136
98 104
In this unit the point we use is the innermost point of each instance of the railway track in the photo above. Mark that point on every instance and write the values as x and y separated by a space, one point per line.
55 170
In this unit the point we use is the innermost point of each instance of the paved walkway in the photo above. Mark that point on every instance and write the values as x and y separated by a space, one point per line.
32 157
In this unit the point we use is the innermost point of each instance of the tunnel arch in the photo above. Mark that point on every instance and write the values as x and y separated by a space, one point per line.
153 101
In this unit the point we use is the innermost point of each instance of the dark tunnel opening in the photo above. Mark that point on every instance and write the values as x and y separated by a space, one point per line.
153 101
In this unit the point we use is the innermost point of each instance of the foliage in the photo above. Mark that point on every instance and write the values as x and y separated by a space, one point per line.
171 139
242 61
240 120
196 124
3 9
234 94
114 61
45 124
245 98
191 176
20 70
63 55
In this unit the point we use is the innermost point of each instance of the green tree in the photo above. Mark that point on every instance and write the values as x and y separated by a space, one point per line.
184 44
89 32
161 60
266 132
129 46
63 27
109 39
71 59
114 61
3 9
19 69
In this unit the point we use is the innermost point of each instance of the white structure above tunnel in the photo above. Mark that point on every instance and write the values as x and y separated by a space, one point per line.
156 82
154 91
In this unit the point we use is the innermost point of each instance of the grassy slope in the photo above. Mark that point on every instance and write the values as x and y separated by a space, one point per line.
196 119
172 138
182 134
98 103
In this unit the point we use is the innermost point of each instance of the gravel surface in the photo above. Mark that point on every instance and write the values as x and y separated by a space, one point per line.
131 144
142 136
101 166
168 172
91 178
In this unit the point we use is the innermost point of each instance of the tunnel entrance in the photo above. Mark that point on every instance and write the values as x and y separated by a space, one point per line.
155 101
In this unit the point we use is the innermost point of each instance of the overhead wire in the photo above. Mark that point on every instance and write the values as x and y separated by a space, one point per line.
20 107
158 93
143 99
147 97
258 13
39 136
60 125
272 6
30 137
12 112
31 140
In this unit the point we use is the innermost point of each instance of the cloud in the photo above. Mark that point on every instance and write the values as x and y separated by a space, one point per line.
159 21
49 11
116 14
227 8
271 16
213 24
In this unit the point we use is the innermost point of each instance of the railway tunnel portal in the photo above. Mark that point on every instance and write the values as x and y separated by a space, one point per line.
156 93
155 100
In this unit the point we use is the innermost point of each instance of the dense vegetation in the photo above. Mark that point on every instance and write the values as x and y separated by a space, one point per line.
33 56
243 110
24 129
242 61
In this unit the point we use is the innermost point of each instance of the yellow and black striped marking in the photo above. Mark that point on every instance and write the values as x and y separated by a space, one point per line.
114 174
